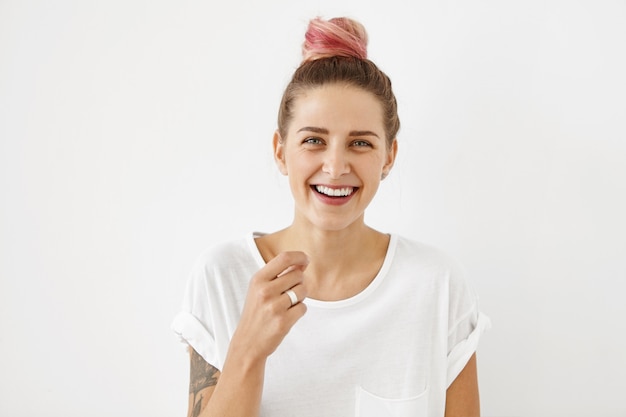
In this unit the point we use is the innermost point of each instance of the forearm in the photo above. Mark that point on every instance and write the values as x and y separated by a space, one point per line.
239 388
268 315
462 399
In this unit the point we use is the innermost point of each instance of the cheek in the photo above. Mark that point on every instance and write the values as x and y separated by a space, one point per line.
374 164
299 163
300 169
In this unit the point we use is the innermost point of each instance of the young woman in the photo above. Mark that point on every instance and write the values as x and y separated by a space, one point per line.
330 317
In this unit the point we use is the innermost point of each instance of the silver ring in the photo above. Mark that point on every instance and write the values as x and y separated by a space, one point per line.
292 296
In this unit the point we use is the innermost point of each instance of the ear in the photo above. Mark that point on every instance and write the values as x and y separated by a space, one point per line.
391 158
279 153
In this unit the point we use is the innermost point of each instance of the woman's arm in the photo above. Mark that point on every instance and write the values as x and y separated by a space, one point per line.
462 398
267 317
202 380
238 393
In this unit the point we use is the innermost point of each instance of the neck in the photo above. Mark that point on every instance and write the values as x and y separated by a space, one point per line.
334 245
342 262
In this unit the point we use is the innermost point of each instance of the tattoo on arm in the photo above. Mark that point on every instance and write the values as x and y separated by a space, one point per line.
197 408
202 375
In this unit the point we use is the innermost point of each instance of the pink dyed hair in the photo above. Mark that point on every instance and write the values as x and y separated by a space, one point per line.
335 52
339 36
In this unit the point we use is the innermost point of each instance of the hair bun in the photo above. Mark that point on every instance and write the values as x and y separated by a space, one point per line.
340 36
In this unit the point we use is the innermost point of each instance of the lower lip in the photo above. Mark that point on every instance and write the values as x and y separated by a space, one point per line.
333 201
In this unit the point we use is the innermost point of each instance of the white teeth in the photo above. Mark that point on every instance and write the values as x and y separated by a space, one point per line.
334 192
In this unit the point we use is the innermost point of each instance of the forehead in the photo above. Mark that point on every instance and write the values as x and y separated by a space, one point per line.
338 107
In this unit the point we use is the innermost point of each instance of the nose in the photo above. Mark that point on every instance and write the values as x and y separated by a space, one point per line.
336 162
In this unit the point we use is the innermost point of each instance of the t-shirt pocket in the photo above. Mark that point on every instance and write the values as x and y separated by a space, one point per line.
370 405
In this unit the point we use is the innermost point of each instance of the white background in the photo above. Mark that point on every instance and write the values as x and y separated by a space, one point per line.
133 134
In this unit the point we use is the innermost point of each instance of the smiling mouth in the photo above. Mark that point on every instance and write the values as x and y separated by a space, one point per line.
334 192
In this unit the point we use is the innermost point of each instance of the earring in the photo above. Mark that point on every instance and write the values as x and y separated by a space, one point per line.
383 176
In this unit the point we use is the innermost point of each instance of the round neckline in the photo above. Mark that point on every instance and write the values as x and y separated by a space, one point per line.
312 302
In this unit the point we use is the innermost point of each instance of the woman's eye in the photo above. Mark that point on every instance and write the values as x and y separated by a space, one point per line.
361 143
313 141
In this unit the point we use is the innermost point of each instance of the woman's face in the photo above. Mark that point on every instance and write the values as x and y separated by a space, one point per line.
335 154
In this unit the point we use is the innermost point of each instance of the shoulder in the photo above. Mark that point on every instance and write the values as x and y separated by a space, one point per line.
431 265
226 258
413 251
427 262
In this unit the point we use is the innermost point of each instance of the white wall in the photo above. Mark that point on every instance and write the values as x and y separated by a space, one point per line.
135 133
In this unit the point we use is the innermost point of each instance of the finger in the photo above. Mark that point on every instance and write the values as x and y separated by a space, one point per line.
288 270
295 295
292 297
282 262
295 313
288 280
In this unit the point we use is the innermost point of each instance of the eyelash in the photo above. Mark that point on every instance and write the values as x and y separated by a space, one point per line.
312 141
317 141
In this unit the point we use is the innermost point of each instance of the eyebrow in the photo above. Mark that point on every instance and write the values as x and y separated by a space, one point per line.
323 131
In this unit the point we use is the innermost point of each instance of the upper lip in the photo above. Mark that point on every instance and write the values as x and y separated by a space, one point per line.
335 187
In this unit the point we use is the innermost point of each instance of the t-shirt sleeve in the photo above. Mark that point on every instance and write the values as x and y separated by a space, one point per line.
465 324
193 324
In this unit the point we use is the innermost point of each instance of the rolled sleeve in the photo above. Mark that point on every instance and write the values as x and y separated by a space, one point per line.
463 349
191 331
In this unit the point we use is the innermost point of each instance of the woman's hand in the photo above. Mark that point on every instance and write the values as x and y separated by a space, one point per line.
268 313
267 317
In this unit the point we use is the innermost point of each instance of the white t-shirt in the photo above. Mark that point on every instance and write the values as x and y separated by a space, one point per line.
391 350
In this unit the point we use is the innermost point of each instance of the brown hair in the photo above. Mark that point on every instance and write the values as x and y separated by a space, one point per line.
335 51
